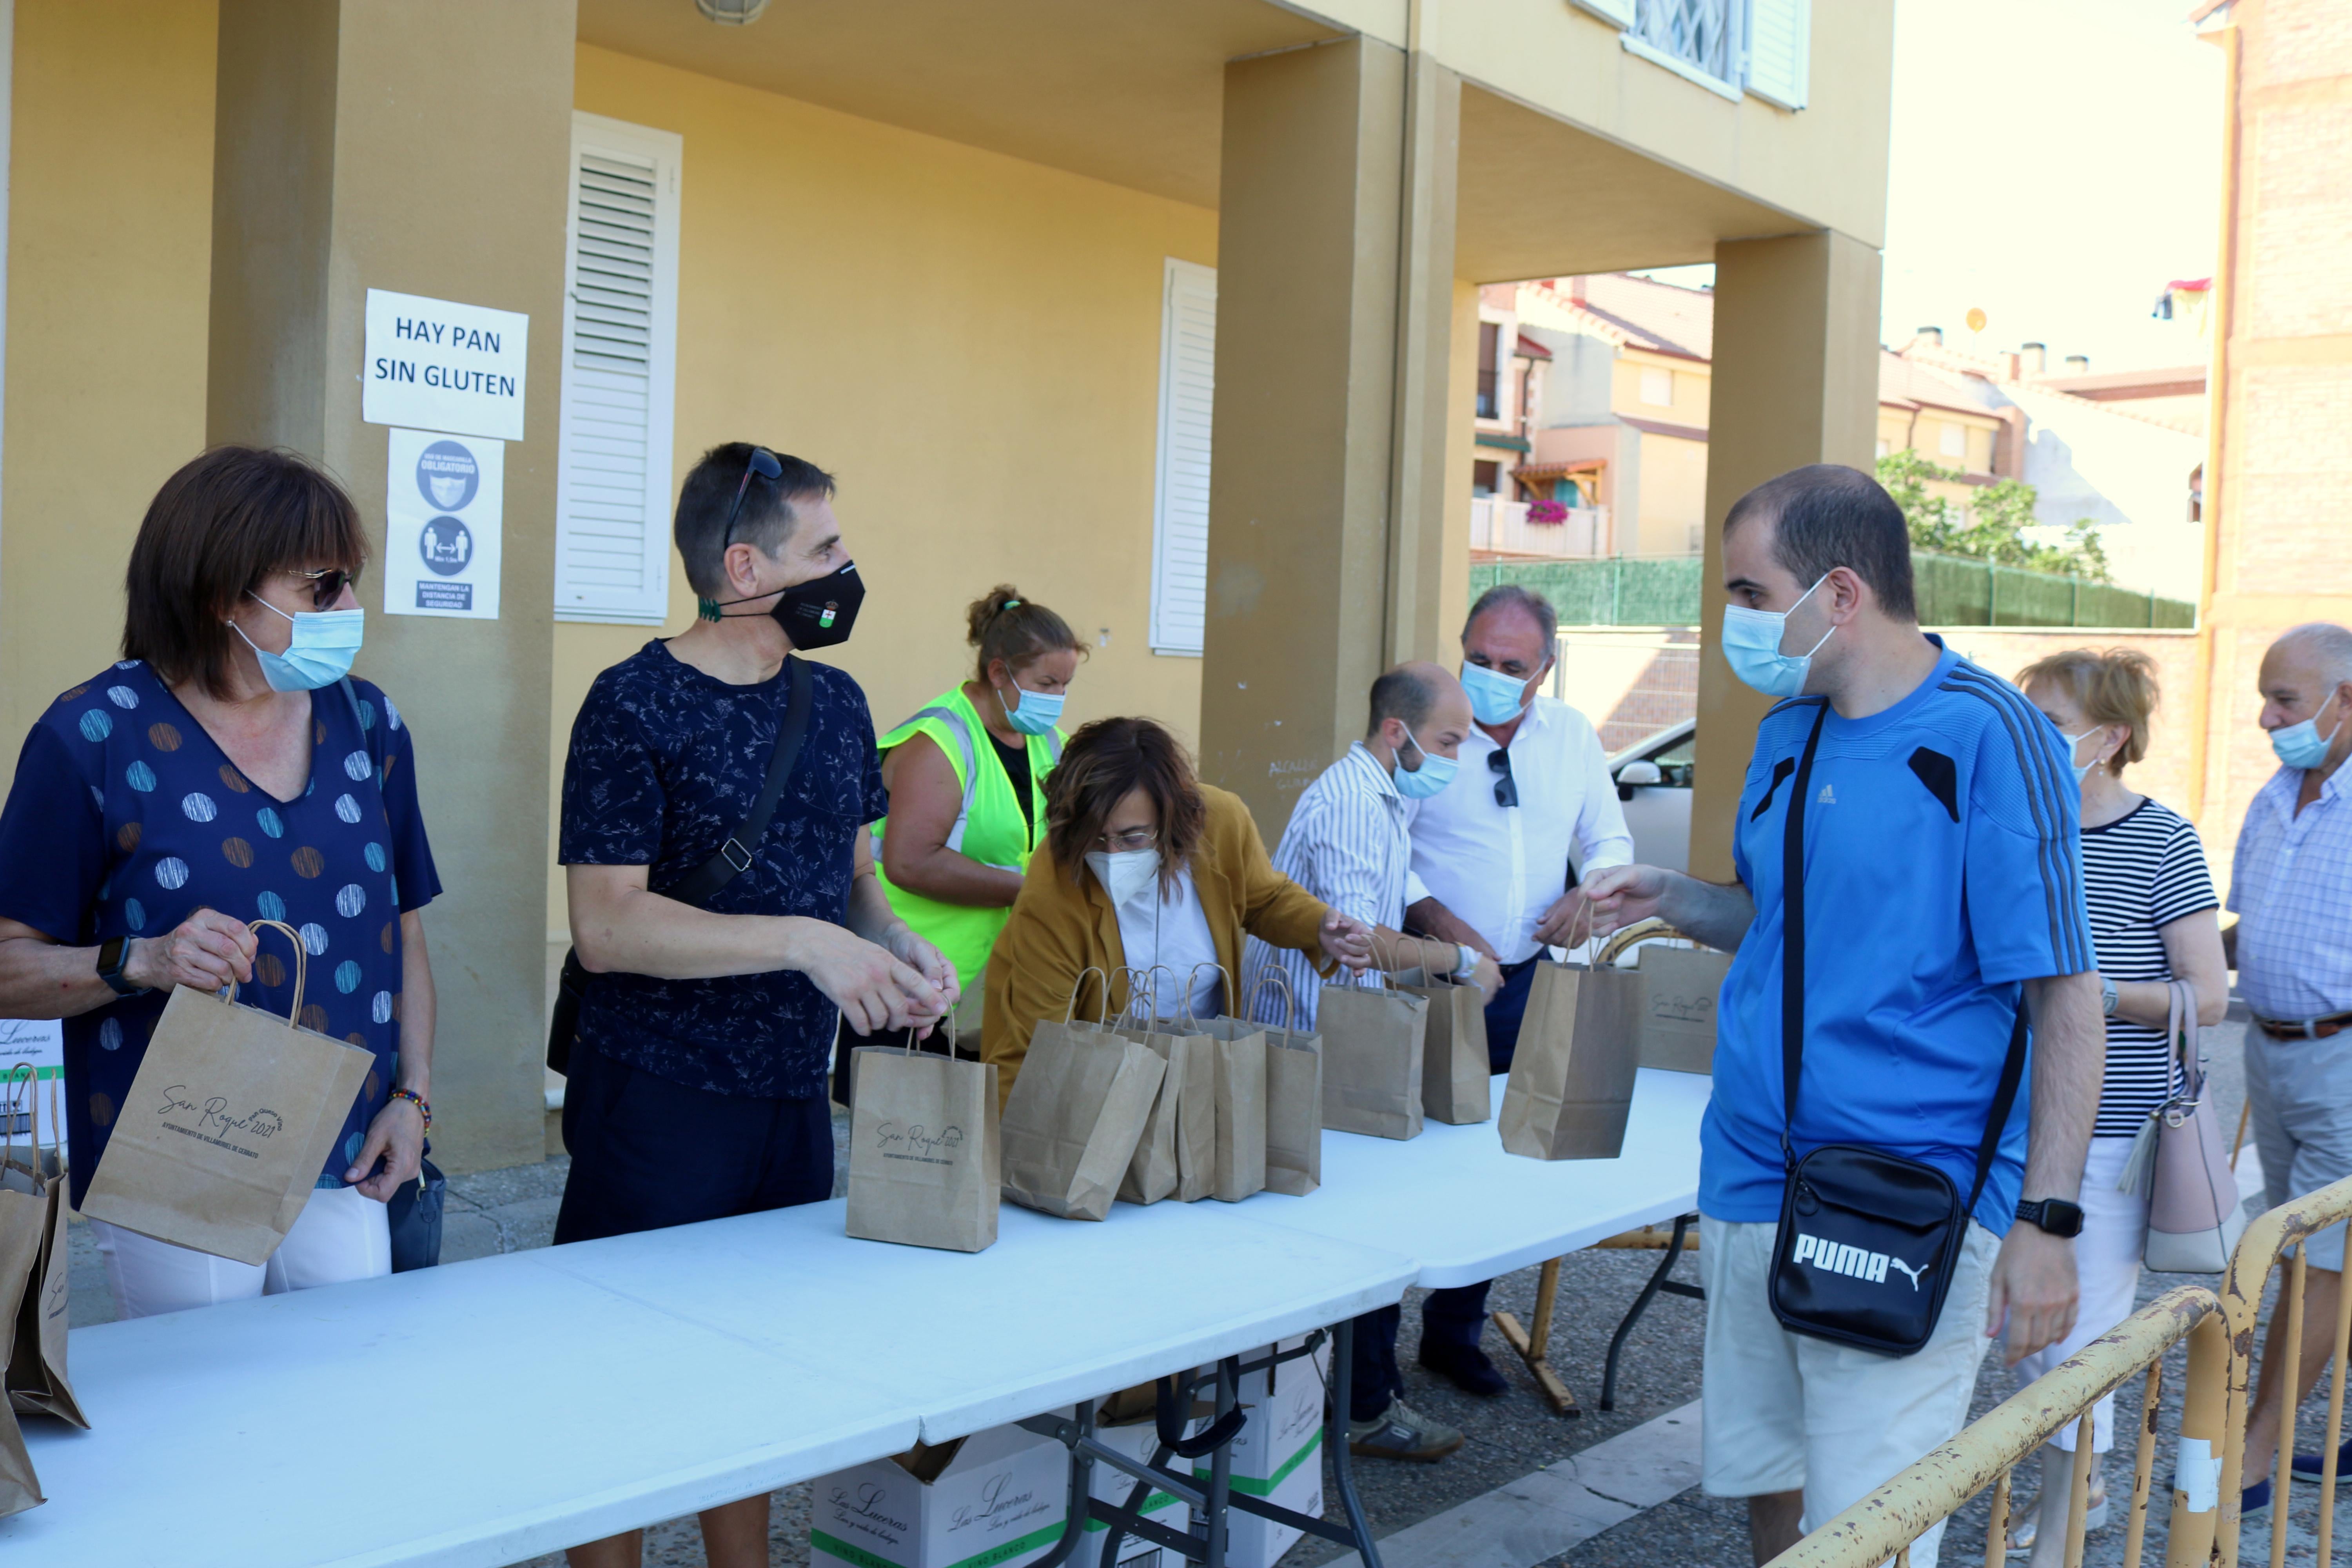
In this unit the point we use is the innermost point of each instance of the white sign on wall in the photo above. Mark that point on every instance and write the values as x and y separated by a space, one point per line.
435 364
443 506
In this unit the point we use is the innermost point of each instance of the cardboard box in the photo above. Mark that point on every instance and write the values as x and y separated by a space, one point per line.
1278 1456
1138 1442
1679 987
995 1499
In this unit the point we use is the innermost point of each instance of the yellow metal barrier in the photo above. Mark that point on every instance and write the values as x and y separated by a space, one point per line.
1883 1525
2259 1252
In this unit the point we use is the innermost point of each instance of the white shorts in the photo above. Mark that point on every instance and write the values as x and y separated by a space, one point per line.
2301 1091
1787 1412
2107 1268
341 1236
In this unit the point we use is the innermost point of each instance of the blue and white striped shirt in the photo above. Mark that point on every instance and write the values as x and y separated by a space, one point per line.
1346 845
2291 884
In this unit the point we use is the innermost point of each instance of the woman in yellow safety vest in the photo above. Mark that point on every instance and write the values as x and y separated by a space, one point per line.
967 779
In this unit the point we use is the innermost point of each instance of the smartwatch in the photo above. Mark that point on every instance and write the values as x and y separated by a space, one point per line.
112 954
2107 996
2056 1216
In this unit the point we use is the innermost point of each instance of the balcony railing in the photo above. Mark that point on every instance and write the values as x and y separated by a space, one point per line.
1502 527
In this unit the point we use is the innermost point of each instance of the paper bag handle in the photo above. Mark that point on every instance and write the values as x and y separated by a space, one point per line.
32 1096
1272 974
1070 1010
302 965
1139 981
1223 973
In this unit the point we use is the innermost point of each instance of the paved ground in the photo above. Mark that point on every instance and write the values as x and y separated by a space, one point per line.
1652 1441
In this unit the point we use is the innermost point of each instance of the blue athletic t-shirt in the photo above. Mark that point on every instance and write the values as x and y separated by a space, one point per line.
665 762
1943 865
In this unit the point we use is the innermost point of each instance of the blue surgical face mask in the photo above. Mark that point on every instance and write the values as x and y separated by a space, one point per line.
1039 710
1494 698
2302 745
1431 778
325 642
2082 770
1752 645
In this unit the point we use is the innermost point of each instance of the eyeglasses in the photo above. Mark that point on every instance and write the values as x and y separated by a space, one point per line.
1507 788
327 586
762 463
1129 839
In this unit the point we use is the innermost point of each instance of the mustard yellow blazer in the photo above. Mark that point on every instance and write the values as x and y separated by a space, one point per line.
1059 928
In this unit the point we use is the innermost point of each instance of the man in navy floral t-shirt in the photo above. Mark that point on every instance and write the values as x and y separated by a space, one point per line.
697 1085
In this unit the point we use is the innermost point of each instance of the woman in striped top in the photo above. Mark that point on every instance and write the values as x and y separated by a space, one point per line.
2153 919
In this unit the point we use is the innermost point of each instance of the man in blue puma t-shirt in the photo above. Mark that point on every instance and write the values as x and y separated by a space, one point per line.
1943 891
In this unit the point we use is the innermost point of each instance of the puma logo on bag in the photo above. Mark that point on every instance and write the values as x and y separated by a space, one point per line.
1854 1262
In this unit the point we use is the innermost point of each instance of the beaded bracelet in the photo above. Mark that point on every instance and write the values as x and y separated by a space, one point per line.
422 1108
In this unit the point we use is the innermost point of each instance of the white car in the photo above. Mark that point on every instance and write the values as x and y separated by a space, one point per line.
1653 782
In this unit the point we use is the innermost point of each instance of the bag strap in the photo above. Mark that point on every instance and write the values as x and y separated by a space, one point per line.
735 854
1792 988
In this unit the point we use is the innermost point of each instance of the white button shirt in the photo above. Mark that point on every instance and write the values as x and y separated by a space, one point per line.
2292 887
1501 868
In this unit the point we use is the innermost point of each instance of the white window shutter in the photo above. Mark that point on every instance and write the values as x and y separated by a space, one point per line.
1779 50
1618 11
620 363
1179 512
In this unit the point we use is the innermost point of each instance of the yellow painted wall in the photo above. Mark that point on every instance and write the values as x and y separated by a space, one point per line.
1673 493
110 268
1689 380
968 341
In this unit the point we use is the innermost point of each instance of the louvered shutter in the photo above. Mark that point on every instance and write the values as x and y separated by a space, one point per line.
1180 520
620 335
1779 50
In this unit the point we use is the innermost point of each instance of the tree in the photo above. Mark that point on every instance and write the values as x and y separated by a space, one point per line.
1991 529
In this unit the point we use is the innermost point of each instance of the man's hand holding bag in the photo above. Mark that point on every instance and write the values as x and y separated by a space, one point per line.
227 1124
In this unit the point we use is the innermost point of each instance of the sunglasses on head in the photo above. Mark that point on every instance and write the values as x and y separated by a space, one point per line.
762 463
1507 788
328 585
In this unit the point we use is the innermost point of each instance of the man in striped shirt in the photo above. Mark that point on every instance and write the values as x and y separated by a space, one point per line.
1345 844
2291 887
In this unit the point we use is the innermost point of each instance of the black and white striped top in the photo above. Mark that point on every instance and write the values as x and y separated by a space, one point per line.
2140 873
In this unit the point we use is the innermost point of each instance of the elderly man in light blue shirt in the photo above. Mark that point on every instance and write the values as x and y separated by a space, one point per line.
2291 887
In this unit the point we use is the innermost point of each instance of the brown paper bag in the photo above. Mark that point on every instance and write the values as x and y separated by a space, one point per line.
1158 1169
1679 987
23 1217
925 1151
1238 1053
1571 1079
1075 1116
1372 1044
37 1365
1294 1100
219 1142
1455 1071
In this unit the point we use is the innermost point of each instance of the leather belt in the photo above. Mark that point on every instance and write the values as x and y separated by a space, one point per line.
2310 1029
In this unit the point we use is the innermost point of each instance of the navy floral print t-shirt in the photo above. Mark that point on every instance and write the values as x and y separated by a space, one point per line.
125 817
665 763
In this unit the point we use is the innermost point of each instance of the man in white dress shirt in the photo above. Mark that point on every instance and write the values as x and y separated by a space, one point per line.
1498 853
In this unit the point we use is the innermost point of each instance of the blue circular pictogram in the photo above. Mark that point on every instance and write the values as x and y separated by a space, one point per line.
447 476
447 545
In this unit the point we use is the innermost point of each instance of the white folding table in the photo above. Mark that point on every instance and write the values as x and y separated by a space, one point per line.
485 1412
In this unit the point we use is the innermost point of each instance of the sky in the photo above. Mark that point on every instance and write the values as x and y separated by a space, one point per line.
2053 163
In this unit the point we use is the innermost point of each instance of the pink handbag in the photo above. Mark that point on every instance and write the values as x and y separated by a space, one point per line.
2181 1165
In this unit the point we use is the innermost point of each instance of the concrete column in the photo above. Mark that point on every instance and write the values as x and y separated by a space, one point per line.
420 146
1795 382
1328 537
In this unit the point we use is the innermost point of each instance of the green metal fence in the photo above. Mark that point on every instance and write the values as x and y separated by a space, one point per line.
1664 590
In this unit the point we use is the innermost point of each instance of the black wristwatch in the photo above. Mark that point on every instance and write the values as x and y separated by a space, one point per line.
2056 1216
112 954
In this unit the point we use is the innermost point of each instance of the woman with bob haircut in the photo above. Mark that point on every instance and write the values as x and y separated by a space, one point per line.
228 769
1146 868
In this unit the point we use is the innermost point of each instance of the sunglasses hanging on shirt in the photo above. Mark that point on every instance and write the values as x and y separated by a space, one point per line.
1507 788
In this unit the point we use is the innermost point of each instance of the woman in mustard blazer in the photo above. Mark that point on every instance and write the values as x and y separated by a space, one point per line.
1147 868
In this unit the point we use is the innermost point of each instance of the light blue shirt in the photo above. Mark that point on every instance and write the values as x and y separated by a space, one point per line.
2290 884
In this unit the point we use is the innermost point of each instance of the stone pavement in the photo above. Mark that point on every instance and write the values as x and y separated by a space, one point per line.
1529 1488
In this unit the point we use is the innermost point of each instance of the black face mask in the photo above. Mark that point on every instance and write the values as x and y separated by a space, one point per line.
820 613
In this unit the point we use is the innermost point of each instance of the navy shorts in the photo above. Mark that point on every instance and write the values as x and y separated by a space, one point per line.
647 1153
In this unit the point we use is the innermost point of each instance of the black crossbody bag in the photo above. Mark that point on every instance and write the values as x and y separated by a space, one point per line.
697 886
1868 1240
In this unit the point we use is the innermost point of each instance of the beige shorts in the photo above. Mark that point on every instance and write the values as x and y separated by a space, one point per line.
1786 1411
